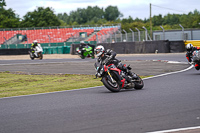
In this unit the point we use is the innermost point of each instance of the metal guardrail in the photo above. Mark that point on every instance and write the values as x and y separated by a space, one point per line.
119 37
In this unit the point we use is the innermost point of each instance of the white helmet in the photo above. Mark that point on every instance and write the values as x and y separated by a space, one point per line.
189 46
82 42
35 42
99 50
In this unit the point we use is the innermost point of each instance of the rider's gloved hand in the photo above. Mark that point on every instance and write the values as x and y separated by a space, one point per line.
109 58
97 74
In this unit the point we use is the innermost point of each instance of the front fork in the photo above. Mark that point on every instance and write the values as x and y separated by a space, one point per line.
111 77
122 81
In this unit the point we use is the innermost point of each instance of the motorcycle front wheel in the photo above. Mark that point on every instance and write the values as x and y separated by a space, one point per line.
113 87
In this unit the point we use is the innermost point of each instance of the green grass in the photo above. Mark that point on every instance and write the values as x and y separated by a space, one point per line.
23 84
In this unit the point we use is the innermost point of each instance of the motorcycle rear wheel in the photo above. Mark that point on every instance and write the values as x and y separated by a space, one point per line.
82 57
113 87
139 84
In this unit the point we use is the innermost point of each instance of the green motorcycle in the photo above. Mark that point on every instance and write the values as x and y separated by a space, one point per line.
87 52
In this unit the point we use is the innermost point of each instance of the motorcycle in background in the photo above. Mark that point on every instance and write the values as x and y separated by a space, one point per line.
196 58
114 79
87 52
38 53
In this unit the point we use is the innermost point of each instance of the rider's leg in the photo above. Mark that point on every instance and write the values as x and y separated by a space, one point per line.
125 69
188 57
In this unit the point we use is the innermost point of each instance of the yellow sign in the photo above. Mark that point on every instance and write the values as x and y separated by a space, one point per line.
193 42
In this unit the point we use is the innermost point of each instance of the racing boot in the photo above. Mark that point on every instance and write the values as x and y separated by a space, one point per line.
128 79
132 75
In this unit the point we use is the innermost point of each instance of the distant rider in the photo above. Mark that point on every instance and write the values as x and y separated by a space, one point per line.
190 49
33 45
109 56
87 46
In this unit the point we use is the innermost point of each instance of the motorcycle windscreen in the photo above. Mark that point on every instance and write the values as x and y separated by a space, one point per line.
39 49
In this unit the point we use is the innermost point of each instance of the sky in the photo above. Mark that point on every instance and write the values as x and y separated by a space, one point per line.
134 8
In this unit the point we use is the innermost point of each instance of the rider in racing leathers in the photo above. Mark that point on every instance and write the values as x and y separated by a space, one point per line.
33 45
190 49
109 56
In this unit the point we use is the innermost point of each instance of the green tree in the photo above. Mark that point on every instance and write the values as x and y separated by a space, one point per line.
129 20
8 18
41 17
157 20
82 16
191 20
171 19
112 13
2 4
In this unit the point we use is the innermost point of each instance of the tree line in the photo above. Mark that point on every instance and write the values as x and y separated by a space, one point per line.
45 17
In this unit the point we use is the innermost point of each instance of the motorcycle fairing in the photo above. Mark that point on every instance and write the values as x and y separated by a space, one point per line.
115 69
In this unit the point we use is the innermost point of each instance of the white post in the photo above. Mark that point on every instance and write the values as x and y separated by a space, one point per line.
138 33
126 35
182 30
132 34
145 33
163 32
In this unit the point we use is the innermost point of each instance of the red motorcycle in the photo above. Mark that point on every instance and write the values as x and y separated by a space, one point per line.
115 79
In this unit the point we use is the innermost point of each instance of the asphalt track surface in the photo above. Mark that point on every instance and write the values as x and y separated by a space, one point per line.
148 64
169 101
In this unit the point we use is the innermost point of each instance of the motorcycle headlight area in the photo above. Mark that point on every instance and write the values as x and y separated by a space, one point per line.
112 66
198 54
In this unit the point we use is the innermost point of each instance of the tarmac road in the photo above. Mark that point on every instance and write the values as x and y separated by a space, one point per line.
166 102
143 64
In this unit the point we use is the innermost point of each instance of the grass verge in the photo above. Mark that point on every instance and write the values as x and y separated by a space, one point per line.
23 84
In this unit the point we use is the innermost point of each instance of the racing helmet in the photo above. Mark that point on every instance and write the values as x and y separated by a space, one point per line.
82 42
99 50
189 46
35 42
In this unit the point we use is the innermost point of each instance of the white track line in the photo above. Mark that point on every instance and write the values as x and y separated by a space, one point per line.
170 73
176 130
99 86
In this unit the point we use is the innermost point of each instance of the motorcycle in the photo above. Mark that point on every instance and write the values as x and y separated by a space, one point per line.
196 59
87 52
37 54
115 79
196 56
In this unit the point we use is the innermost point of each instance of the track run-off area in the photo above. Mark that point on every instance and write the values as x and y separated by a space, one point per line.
169 101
